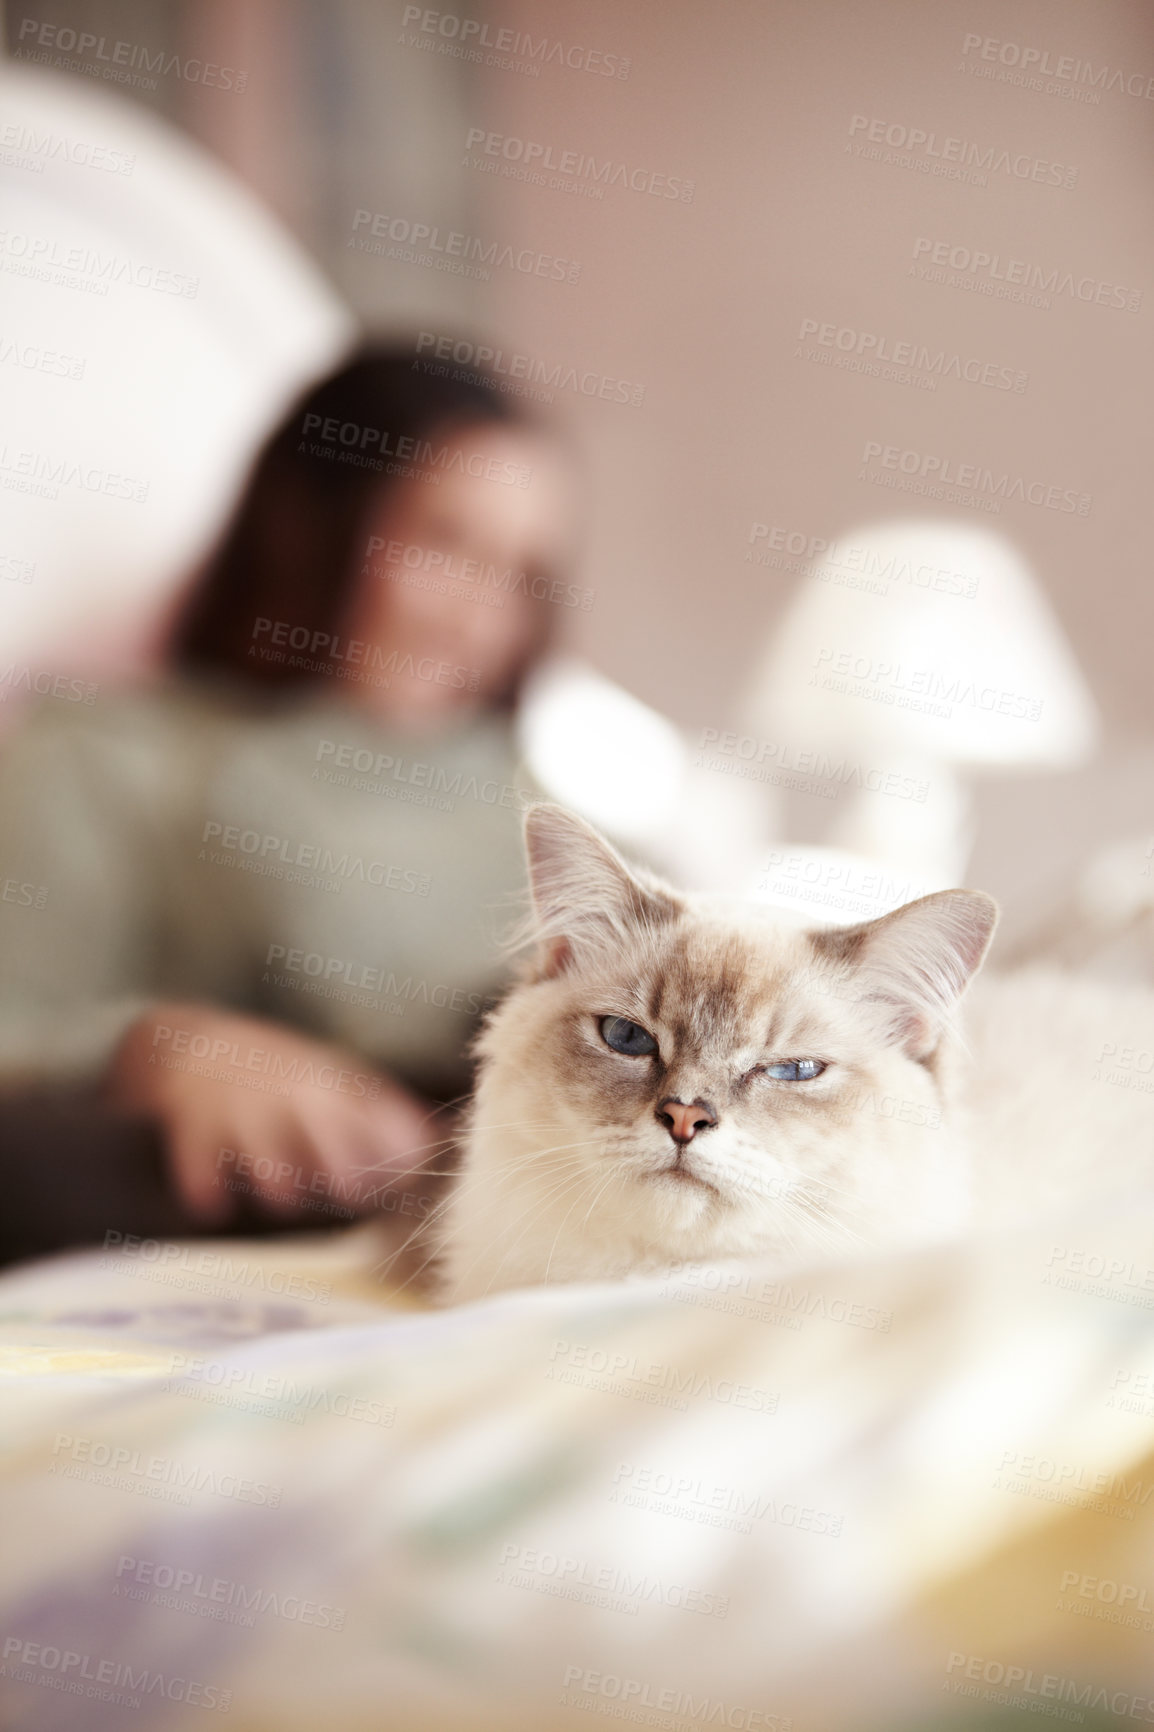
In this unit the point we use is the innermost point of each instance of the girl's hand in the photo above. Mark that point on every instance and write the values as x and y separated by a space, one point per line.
253 1108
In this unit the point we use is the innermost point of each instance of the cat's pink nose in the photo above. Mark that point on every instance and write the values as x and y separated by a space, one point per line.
682 1120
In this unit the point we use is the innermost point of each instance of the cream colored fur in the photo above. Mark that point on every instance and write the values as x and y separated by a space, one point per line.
925 1122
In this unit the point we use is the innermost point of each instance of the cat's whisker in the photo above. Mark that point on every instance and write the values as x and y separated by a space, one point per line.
386 1166
576 1172
382 1269
430 1226
543 1203
610 1176
540 1158
547 1202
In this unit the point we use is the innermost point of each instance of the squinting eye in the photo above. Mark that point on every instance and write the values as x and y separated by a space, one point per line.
795 1069
627 1037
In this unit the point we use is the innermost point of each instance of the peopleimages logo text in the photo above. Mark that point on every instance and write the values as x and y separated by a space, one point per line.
1065 67
453 246
959 153
577 165
945 472
472 34
999 268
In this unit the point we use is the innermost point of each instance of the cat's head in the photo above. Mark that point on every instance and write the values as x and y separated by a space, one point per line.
719 1081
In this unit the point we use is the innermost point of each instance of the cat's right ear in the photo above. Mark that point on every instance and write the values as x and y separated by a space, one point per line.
585 898
915 963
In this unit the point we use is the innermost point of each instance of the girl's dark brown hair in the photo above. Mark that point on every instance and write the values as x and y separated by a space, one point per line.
294 548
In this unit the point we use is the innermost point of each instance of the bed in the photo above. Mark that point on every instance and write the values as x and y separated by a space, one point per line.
247 1479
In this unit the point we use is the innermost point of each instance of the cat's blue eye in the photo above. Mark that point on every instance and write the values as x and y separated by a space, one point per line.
627 1037
795 1069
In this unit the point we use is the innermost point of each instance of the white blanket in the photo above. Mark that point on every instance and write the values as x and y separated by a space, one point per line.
242 1479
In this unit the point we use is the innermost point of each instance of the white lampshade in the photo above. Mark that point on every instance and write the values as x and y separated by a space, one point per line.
975 671
913 650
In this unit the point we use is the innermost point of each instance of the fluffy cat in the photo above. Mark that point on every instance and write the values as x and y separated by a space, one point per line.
679 1079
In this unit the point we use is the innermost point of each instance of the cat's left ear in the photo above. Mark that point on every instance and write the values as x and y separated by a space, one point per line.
584 895
916 962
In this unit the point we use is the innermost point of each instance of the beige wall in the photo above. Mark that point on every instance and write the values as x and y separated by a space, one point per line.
702 302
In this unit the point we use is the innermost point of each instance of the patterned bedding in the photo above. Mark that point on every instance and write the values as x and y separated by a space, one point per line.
244 1481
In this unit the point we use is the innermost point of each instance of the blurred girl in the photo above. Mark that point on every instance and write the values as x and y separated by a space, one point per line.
262 896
